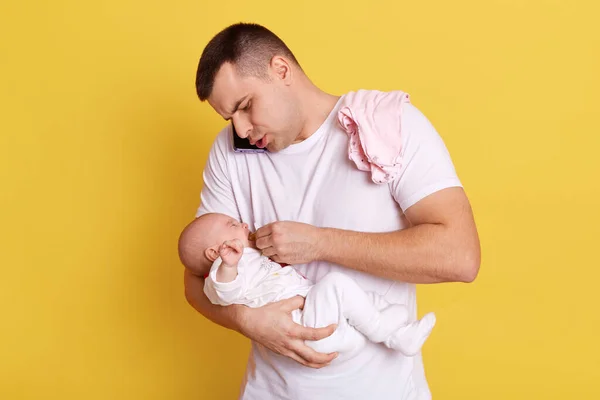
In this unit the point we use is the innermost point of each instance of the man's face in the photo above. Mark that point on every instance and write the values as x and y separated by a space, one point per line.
263 110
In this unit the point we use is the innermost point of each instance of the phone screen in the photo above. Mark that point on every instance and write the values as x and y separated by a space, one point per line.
243 145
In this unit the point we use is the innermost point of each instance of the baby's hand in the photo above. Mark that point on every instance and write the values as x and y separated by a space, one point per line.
231 251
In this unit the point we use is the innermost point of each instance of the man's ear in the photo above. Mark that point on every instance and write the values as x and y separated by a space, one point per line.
282 69
212 253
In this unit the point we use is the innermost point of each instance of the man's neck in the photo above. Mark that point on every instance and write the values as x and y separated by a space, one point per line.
316 106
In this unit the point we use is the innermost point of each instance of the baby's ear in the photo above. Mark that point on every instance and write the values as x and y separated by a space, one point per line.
212 253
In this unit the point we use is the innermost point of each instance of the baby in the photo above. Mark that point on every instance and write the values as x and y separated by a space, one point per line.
240 274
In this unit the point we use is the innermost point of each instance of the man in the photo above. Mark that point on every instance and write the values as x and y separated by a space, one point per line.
317 211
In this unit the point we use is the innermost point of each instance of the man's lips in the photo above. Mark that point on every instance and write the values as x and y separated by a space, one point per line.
261 143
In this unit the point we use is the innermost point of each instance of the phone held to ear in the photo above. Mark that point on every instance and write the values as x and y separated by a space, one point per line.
243 145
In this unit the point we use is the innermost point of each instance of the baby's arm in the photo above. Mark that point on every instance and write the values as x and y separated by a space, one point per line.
223 286
230 252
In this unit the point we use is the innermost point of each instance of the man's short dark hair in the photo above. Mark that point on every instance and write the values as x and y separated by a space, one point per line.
249 47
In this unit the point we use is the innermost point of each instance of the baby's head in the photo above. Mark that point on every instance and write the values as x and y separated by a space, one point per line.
200 240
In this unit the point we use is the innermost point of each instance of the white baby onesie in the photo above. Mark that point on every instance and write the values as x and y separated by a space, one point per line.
336 298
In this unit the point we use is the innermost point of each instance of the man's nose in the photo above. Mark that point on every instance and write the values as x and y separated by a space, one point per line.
242 128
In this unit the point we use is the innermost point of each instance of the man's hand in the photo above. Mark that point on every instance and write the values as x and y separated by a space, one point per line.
231 251
289 242
272 326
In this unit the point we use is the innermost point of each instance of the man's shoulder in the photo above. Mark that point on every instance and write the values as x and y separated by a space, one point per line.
221 148
222 141
383 102
387 101
362 94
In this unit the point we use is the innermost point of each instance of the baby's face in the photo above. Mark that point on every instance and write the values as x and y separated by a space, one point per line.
227 228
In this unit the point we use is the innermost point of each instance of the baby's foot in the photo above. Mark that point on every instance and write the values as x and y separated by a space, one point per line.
410 338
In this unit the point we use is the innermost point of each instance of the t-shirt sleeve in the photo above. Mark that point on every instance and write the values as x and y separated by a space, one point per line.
426 163
217 194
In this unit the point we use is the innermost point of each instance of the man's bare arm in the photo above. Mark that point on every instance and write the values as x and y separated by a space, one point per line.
230 317
442 244
270 325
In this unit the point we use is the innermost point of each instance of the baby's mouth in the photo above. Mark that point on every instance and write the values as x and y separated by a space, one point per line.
252 236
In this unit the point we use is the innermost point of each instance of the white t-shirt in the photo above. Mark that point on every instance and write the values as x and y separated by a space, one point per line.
314 182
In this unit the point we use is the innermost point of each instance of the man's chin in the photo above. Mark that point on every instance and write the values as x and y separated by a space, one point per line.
274 147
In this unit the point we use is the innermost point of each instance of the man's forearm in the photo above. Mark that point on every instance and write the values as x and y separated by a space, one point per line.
426 253
229 317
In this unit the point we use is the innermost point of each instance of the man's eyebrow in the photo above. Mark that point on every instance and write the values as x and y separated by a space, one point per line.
237 105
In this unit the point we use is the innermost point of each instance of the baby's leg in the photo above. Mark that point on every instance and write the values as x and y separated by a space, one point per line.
318 312
337 298
410 338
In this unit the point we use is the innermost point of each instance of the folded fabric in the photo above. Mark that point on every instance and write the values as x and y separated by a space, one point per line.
373 121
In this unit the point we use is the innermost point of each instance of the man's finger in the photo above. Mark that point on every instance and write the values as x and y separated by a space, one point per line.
294 303
313 357
268 252
306 333
277 258
294 356
263 242
263 231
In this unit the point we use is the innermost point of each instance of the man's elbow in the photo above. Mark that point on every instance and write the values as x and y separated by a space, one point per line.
193 285
187 291
189 297
469 265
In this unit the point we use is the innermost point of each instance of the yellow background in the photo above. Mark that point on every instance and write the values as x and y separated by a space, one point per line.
103 142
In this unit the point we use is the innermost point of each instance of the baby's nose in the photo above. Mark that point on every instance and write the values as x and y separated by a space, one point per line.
245 226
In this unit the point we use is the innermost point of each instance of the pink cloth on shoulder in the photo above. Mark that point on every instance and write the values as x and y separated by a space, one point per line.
373 121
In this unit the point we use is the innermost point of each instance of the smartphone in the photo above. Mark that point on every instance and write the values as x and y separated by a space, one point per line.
243 145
